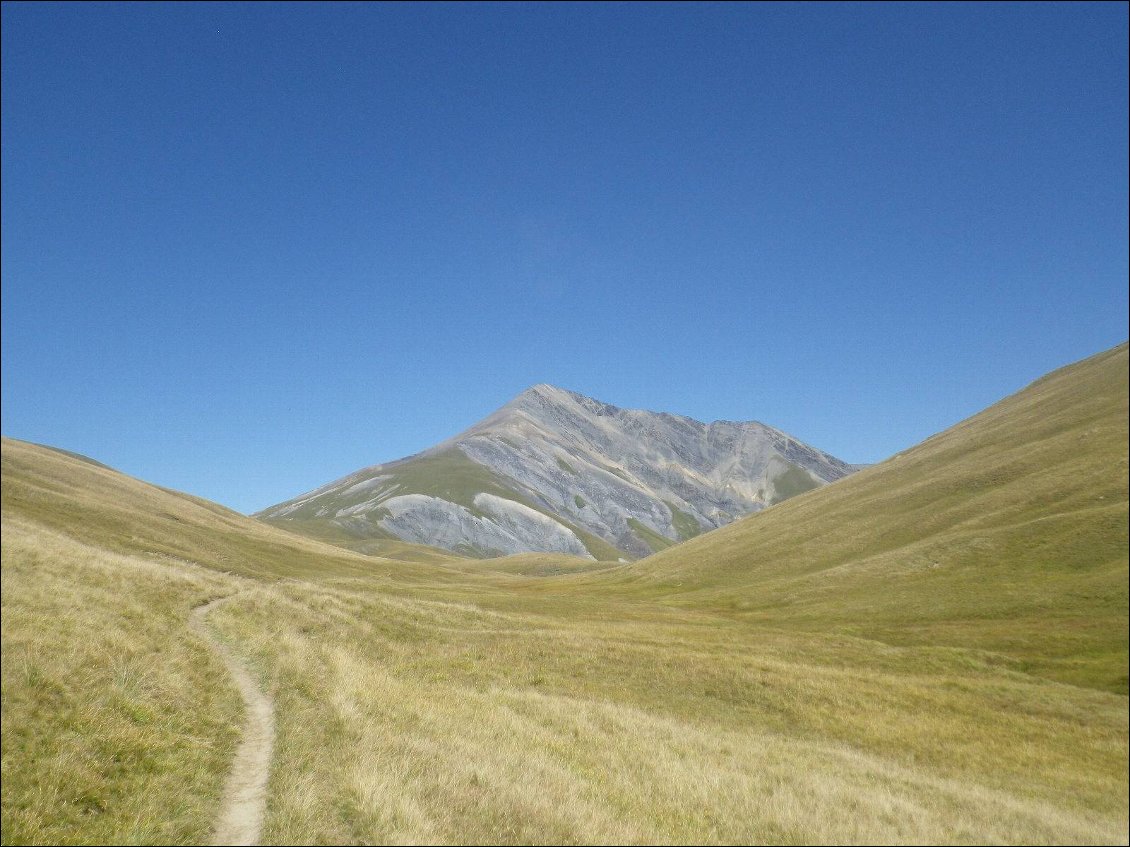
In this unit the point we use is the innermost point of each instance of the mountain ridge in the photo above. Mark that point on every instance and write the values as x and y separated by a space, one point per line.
618 482
1006 533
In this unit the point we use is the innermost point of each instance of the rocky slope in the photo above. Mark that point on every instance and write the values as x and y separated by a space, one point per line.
554 471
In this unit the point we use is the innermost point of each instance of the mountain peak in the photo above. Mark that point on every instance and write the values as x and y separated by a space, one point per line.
545 400
553 393
543 388
609 481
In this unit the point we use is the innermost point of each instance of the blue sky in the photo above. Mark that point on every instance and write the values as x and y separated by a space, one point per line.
250 248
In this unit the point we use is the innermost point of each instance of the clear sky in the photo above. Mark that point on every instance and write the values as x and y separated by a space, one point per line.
250 248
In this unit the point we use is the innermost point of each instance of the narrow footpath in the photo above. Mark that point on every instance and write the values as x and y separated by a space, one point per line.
245 793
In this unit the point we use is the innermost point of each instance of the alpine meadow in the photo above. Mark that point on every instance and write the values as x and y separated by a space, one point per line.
930 650
573 423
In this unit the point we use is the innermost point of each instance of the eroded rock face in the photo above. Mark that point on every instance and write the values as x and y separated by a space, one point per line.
552 467
504 526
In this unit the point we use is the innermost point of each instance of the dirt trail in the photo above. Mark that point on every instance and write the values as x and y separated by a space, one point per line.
245 794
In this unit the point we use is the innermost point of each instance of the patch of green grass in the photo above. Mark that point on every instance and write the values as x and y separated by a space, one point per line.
538 565
792 482
649 536
579 500
686 526
371 540
600 549
565 466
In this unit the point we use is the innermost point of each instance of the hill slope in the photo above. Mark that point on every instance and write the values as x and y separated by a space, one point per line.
70 493
1007 532
557 472
517 700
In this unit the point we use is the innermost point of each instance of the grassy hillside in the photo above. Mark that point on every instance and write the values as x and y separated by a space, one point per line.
116 728
536 564
384 546
792 678
74 495
118 725
1006 533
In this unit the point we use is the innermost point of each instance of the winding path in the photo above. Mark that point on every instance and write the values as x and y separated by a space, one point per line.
245 793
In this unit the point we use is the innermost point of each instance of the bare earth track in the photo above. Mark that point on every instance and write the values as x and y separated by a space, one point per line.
245 794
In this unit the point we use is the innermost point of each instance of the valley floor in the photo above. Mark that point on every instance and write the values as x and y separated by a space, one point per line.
500 707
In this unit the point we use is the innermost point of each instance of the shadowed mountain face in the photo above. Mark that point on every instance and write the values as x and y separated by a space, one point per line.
555 471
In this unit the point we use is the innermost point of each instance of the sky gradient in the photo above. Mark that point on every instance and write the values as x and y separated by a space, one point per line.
247 249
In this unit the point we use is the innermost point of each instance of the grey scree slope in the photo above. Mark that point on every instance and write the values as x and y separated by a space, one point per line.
555 471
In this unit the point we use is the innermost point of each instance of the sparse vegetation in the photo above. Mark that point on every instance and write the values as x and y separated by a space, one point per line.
374 542
649 536
686 526
617 472
794 481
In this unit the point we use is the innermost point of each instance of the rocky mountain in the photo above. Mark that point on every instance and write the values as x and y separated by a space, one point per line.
555 471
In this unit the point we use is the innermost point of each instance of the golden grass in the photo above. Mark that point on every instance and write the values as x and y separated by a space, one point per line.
117 726
925 653
404 719
534 564
1007 533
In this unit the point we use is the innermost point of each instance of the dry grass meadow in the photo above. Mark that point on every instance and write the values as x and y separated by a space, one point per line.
931 651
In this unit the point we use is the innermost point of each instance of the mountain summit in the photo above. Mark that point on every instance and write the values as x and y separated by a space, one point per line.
556 471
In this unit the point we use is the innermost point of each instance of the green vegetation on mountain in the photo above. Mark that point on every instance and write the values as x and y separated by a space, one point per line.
448 475
649 536
791 483
374 543
685 525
